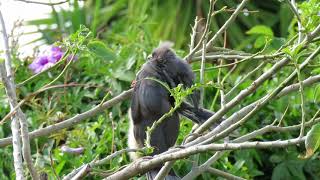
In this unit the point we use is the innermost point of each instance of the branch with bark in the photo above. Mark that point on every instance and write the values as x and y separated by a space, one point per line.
19 121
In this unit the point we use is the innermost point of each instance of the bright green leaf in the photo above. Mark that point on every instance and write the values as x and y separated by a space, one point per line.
260 42
312 142
60 166
261 30
100 50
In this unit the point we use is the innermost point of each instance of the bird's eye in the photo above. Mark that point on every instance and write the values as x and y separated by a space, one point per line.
153 54
169 53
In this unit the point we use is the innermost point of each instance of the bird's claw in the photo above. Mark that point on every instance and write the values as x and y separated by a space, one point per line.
133 83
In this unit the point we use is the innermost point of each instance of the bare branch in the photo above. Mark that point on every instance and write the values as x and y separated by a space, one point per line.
164 171
243 79
52 166
294 9
223 174
194 33
231 57
242 115
313 34
44 3
204 34
95 163
203 60
244 93
143 165
301 92
309 81
8 80
226 24
13 111
197 171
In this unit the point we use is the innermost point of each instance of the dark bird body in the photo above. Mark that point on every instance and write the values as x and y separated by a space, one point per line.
151 101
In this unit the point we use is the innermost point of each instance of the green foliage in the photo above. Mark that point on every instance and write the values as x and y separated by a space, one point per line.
263 33
292 169
310 14
313 140
99 49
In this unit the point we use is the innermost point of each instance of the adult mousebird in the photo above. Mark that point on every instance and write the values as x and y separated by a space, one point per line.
151 100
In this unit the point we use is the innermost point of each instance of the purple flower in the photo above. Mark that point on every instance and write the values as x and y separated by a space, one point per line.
46 59
40 64
55 53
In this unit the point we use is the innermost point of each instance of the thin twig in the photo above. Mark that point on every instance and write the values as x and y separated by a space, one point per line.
283 115
238 118
29 96
294 9
195 172
44 3
243 79
95 162
194 33
203 60
252 88
52 166
226 24
164 170
73 120
307 82
241 58
204 34
301 92
222 174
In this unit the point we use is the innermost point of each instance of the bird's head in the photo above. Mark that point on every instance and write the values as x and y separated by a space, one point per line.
162 54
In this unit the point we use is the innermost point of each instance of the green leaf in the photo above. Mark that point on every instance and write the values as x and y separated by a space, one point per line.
316 94
239 164
60 166
287 51
260 42
130 62
124 75
291 169
261 30
293 52
297 49
100 49
313 140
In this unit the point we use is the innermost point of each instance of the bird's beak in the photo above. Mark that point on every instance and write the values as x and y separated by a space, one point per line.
149 57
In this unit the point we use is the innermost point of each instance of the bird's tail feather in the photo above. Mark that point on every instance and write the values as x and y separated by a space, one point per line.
199 115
